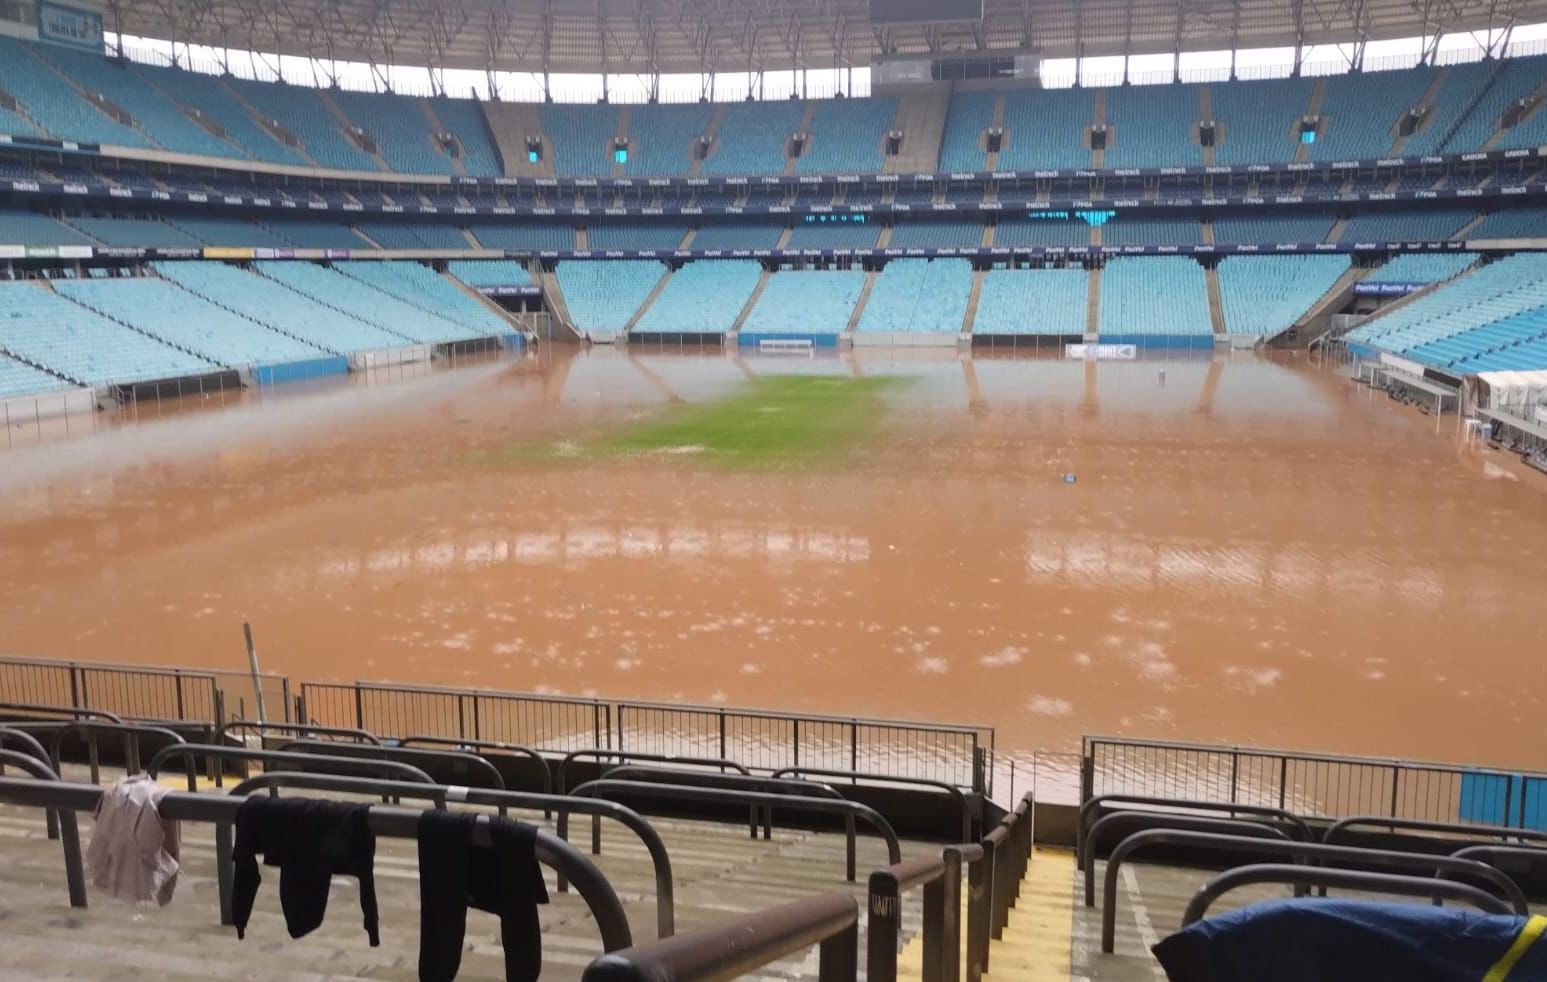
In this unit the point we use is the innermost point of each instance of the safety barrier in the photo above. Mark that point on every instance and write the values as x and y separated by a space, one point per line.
1322 876
540 763
963 803
941 878
545 722
69 832
191 753
146 692
461 765
993 883
303 730
1090 807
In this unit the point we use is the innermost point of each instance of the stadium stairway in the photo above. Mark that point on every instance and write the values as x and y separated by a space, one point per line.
790 163
510 123
1536 97
1425 104
997 122
864 298
1093 305
974 297
1312 108
650 298
1316 318
921 113
349 126
712 132
554 298
436 126
1216 301
757 294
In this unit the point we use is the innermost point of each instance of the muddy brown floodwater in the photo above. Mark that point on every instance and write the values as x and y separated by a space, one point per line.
1252 551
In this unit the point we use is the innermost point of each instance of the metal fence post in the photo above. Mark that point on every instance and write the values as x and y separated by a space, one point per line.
980 888
838 956
1396 778
933 927
177 678
722 734
359 707
949 967
853 747
881 932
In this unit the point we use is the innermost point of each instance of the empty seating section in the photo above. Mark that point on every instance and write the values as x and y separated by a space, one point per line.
316 235
1265 295
1152 125
751 235
1405 226
806 302
168 312
969 115
1516 80
464 119
407 235
15 124
1042 232
1046 129
641 237
52 104
703 297
581 138
133 232
305 114
1131 229
919 295
937 235
345 293
29 228
1516 344
1033 301
846 136
752 137
833 235
1490 294
603 295
1422 267
489 272
399 127
1165 296
1258 119
505 235
1462 86
1512 223
1359 112
18 379
158 116
661 138
422 287
42 327
1269 226
228 232
211 98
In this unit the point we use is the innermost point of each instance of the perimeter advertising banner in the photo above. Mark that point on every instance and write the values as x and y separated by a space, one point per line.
75 27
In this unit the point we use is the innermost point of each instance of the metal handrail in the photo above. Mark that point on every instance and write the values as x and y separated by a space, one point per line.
452 690
626 756
26 739
428 758
748 711
665 892
1087 808
940 876
1441 865
718 795
1173 820
1325 876
994 881
300 729
191 752
385 821
745 944
1340 828
478 745
955 792
91 729
69 831
1091 739
70 711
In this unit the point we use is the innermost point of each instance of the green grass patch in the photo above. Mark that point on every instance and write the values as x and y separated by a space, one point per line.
770 423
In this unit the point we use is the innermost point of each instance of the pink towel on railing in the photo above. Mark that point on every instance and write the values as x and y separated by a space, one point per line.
133 853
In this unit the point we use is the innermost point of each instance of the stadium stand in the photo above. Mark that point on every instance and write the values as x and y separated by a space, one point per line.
603 295
918 295
1271 226
53 105
638 237
748 235
1405 226
805 303
345 293
1512 223
227 231
1144 299
1515 344
20 379
582 138
305 114
419 285
703 297
1140 229
400 129
1464 85
132 231
30 228
661 138
279 307
1033 301
1042 232
316 235
464 119
846 136
1422 267
1046 129
413 235
752 138
218 104
171 314
1259 118
1518 79
1359 112
1488 295
925 234
44 328
489 272
1265 295
15 124
833 235
970 114
1152 125
503 235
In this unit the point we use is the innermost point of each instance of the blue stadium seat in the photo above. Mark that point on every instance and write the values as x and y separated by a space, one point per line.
1033 302
918 295
846 136
752 138
603 295
806 303
703 297
969 115
1146 298
1265 295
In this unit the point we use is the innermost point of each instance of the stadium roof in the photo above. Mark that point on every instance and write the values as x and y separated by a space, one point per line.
698 36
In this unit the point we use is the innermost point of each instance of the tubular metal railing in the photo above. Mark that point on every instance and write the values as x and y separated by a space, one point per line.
483 748
1341 828
963 803
1324 876
69 833
301 730
460 764
69 712
993 883
91 730
941 878
192 753
1143 821
1089 808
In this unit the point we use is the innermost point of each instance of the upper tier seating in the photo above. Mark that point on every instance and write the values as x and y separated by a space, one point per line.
1152 125
581 138
1463 84
374 306
1490 293
970 114
212 98
18 379
399 127
1512 223
1406 226
280 307
806 302
1516 80
846 136
506 235
1265 295
1258 119
19 227
53 105
919 295
751 235
752 138
1133 229
833 235
1269 226
421 286
1359 112
305 113
414 235
1033 301
316 234
1154 297
637 237
464 119
46 329
171 314
1042 232
1422 267
929 234
490 272
661 138
603 295
703 297
14 123
133 232
1516 344
228 232
1046 129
